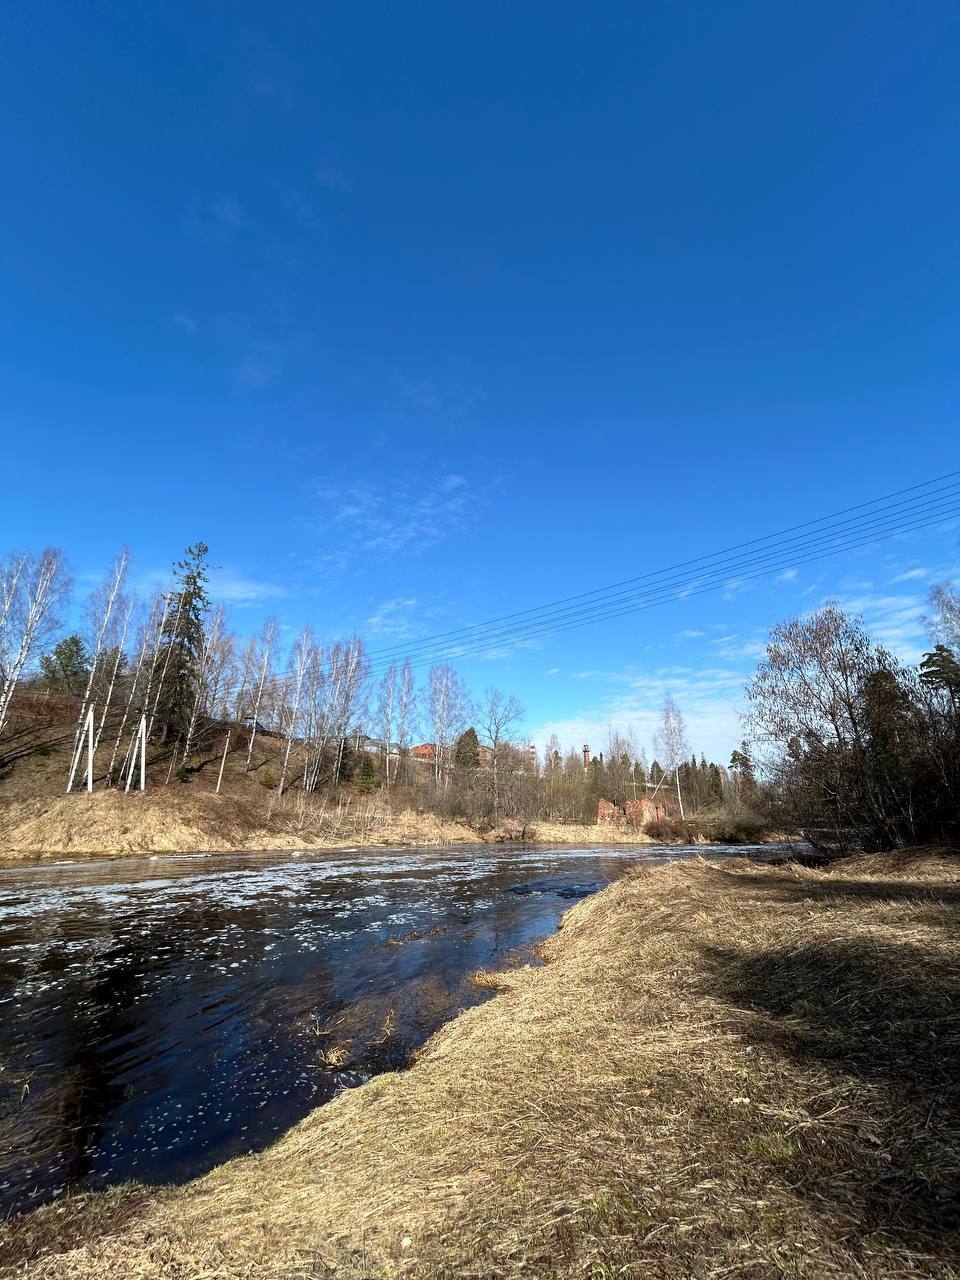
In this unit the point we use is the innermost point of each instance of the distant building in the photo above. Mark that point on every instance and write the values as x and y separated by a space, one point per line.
634 813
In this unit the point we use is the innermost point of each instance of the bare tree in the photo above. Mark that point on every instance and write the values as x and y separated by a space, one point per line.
266 646
302 658
34 587
620 778
385 724
347 667
104 604
148 632
945 624
497 714
670 743
407 704
808 703
448 705
246 676
212 656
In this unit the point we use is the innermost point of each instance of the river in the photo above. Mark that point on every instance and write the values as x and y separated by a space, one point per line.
160 1015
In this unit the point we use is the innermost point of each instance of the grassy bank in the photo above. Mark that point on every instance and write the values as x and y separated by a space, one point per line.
178 820
722 1070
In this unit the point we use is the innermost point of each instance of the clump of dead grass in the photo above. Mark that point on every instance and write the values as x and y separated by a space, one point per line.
721 1070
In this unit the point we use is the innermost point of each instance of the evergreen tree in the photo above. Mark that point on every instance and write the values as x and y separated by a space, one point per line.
715 783
66 667
940 670
183 641
368 775
466 751
742 763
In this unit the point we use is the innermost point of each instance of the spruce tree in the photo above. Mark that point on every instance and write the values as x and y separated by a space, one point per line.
466 751
368 775
183 640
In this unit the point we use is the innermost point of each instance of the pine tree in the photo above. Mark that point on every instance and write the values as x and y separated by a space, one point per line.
940 670
66 667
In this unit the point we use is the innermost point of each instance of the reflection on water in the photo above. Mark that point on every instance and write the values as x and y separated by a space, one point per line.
158 1016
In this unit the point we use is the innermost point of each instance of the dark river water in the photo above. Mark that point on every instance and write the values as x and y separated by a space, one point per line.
160 1015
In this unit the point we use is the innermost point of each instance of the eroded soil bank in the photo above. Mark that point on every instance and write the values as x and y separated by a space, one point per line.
723 1069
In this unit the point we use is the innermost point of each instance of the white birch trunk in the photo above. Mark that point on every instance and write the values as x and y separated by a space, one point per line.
39 601
120 569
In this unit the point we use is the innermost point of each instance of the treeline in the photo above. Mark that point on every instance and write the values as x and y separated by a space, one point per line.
861 751
171 668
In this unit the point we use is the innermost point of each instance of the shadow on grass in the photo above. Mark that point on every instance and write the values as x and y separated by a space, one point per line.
835 889
882 1017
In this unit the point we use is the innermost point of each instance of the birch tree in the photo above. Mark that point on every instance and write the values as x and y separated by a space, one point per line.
104 603
136 698
347 668
670 743
406 711
266 647
448 703
114 667
945 624
395 713
246 677
34 588
303 655
385 724
206 657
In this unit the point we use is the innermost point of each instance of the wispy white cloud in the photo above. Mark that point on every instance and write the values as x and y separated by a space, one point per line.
403 515
788 575
911 575
394 618
236 588
184 322
895 621
711 701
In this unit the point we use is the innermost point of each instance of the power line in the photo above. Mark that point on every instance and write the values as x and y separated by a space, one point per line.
685 564
880 519
681 587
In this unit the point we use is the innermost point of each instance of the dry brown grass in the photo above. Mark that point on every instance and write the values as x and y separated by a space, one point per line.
182 820
722 1071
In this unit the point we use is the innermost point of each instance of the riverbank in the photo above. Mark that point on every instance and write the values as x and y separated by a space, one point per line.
111 824
174 820
722 1069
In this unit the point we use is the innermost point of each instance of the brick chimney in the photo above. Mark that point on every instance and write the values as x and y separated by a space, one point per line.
586 756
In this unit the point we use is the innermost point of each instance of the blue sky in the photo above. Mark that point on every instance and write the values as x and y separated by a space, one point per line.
422 314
